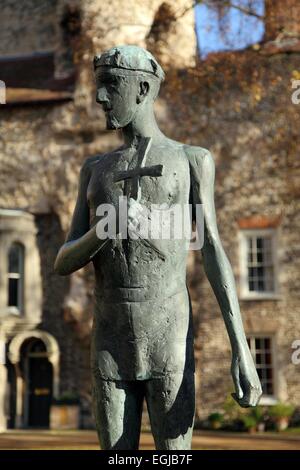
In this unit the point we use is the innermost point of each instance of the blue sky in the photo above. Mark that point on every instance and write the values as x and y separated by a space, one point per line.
240 30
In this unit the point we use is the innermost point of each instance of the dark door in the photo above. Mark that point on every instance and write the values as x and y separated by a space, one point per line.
38 375
40 392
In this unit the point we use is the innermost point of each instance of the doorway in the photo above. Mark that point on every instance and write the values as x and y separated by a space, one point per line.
38 380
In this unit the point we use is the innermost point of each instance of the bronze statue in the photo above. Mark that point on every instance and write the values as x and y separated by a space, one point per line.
142 339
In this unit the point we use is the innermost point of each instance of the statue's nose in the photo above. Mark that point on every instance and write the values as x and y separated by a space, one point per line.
101 96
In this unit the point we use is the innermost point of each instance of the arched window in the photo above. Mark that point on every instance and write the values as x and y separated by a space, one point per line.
16 276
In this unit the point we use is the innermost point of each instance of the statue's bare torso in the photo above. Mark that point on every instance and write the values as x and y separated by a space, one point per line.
129 264
141 298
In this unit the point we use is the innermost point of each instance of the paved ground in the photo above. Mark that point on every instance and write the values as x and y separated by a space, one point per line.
87 440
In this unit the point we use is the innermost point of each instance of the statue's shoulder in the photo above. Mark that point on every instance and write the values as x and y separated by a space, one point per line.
91 161
88 164
199 157
201 162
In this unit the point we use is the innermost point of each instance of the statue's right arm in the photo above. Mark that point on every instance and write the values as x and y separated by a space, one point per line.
82 241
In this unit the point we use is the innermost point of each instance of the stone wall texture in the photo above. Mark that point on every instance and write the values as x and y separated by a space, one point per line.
237 104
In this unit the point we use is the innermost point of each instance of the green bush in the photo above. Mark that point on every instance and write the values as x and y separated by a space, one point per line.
281 410
215 417
258 413
232 415
249 421
232 410
253 417
216 420
239 419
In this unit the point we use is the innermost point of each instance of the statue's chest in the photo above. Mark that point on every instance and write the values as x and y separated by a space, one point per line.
162 178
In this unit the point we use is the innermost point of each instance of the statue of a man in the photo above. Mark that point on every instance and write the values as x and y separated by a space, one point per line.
142 339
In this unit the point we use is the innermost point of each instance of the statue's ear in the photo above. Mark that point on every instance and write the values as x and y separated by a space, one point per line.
143 91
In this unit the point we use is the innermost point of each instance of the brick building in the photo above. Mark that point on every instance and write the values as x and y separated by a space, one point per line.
237 104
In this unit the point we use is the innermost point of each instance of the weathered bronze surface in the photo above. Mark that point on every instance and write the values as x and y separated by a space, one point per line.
142 339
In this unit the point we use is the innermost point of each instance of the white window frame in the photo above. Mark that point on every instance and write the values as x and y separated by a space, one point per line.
245 293
268 400
18 226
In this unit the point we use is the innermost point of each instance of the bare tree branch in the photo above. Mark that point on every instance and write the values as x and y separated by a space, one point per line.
246 11
226 4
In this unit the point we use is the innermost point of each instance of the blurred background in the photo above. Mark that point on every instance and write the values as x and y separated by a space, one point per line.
232 86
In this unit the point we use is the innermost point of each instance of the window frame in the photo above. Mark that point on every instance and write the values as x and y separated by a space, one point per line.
265 399
17 309
245 293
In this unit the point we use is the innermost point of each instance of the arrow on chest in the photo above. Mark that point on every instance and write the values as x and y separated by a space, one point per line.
133 175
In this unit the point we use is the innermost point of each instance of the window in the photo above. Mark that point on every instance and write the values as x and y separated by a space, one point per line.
258 264
261 350
21 289
15 276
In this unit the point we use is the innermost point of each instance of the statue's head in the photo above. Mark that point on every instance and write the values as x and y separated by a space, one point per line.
127 79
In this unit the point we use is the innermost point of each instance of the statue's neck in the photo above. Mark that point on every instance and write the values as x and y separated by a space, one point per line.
143 125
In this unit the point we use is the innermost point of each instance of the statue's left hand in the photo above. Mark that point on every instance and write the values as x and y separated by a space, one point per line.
245 378
137 217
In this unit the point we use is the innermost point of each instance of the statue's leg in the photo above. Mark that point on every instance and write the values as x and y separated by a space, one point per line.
118 413
171 407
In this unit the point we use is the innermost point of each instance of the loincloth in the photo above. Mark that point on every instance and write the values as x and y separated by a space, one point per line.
140 340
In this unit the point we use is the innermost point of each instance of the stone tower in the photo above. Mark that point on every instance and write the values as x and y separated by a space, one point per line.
164 27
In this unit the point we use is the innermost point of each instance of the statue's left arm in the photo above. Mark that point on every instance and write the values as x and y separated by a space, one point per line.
220 276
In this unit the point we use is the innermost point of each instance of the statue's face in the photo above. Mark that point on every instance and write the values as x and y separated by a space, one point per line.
118 96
